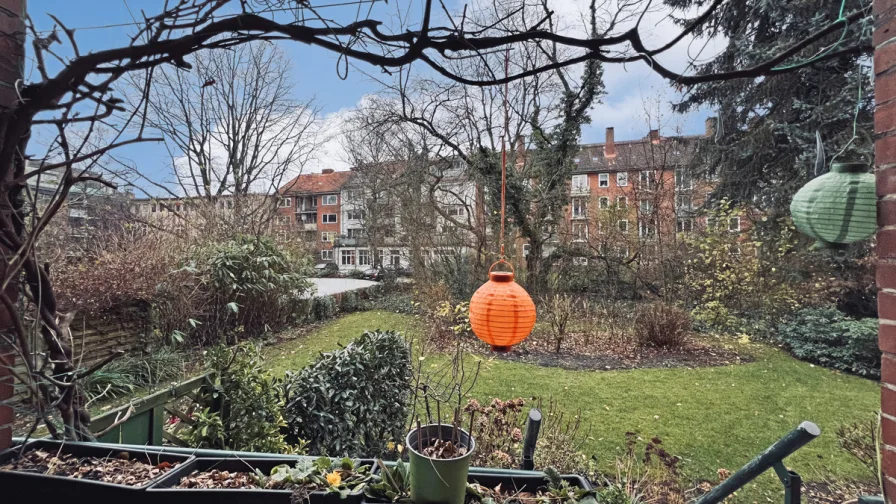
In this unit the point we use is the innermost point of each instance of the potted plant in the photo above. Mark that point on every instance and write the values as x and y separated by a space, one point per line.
319 480
439 457
49 471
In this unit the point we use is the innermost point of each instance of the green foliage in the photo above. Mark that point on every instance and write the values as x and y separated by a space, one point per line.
395 303
251 417
342 477
828 338
323 308
394 484
207 431
356 274
764 148
351 302
123 375
352 401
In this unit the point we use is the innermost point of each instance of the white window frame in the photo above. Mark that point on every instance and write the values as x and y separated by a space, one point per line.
647 228
580 261
395 257
579 208
735 229
381 257
286 202
622 225
323 218
326 255
622 202
578 236
687 197
327 236
347 258
353 233
603 202
681 227
603 179
580 184
645 206
647 179
526 249
363 253
354 214
326 198
621 179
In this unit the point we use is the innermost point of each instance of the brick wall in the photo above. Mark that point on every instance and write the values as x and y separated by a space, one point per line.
885 168
12 58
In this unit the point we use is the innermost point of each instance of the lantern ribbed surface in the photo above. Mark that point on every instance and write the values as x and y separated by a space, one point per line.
501 312
839 206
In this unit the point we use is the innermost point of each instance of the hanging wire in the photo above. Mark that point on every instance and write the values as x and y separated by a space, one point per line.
840 19
855 117
504 139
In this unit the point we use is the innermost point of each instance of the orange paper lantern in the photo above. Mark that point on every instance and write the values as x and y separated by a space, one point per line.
501 312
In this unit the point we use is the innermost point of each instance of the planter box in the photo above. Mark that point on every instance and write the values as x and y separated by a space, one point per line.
163 491
529 481
28 487
522 483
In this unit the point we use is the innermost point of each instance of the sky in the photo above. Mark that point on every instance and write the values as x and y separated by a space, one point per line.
630 89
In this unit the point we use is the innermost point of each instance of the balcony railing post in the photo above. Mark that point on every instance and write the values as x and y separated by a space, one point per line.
770 458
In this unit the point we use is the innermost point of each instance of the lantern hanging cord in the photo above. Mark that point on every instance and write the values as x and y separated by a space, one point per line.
504 150
855 117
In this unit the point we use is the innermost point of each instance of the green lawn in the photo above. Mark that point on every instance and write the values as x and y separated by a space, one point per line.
713 417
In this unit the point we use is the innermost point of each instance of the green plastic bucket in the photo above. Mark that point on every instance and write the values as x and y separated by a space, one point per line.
438 481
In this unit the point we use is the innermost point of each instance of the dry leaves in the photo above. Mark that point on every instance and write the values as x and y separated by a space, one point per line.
118 469
218 479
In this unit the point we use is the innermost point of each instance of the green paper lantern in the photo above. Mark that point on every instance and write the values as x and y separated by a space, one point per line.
838 207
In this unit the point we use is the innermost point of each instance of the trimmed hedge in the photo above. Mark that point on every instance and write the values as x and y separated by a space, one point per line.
353 401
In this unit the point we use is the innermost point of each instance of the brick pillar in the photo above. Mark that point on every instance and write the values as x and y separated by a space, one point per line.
12 64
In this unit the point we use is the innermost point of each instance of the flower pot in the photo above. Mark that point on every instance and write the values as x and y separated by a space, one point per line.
440 481
164 491
31 487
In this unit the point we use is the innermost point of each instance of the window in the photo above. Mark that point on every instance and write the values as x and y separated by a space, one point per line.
526 249
683 180
646 206
623 226
685 225
622 179
353 233
647 180
455 210
285 202
353 194
734 224
580 184
329 199
381 257
621 202
579 208
354 214
577 160
647 228
684 202
284 220
153 206
177 207
347 258
328 218
395 256
604 203
363 257
603 180
327 236
579 231
326 255
580 261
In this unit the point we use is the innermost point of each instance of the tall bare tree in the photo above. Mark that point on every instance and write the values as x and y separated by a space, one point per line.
71 100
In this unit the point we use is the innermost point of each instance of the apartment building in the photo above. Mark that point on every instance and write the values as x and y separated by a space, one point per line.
355 217
628 196
312 203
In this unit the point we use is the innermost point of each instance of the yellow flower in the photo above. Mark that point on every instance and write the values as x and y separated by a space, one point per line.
334 478
390 445
400 448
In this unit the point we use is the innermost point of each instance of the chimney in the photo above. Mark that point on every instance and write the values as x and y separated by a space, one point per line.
654 136
711 126
610 145
327 171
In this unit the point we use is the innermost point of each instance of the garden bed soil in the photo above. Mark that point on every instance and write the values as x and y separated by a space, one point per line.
119 468
836 492
694 354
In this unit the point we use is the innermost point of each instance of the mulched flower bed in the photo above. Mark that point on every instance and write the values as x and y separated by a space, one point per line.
218 479
837 492
599 354
120 468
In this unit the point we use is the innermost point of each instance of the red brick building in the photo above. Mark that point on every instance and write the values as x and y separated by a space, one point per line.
313 203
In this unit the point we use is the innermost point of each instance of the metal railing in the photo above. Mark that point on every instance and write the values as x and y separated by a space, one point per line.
771 458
